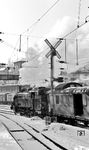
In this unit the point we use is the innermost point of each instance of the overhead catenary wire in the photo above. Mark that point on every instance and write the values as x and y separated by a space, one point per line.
73 30
39 19
14 48
36 23
47 12
64 36
10 34
9 45
33 24
38 55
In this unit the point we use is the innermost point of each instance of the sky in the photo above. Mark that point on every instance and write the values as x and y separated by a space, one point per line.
17 16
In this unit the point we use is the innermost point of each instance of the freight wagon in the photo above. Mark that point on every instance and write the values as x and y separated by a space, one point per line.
6 98
71 103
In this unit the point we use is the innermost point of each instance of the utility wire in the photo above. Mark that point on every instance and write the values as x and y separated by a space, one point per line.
11 34
74 30
38 55
36 20
63 37
14 48
39 19
9 45
43 16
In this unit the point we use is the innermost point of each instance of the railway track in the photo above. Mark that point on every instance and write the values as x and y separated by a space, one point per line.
24 129
6 112
35 133
10 112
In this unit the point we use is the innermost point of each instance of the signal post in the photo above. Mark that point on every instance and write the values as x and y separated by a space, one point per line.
52 53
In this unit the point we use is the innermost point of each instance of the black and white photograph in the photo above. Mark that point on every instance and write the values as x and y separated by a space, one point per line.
44 74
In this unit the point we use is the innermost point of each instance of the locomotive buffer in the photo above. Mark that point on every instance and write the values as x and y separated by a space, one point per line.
53 53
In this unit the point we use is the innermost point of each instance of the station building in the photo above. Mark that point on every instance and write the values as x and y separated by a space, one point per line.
9 81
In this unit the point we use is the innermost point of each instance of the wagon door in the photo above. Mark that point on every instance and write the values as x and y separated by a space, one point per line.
78 104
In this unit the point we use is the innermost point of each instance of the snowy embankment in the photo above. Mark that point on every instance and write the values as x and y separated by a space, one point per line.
72 138
68 136
6 140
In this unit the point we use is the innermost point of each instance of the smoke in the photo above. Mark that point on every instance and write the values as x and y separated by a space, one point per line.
34 72
36 69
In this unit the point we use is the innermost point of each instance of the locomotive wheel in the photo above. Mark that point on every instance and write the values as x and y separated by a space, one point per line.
21 114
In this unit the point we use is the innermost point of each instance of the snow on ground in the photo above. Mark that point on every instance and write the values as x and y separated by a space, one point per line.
6 140
69 136
73 138
4 106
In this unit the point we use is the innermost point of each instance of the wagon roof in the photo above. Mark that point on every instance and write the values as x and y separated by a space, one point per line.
76 90
66 85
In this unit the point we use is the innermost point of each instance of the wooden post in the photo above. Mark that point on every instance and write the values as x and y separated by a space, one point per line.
52 87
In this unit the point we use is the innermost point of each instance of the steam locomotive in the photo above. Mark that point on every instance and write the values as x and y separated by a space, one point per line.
70 103
30 103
